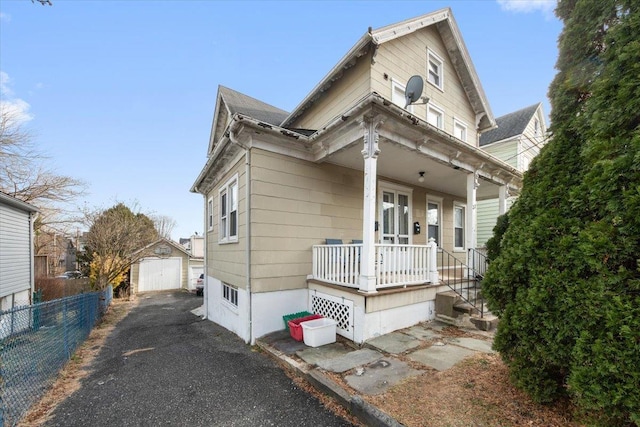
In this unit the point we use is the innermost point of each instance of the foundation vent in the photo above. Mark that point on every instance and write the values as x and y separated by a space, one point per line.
336 308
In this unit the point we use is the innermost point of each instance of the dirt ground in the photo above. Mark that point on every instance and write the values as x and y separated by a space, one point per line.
475 392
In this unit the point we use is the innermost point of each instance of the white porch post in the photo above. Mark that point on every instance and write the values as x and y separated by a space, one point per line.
471 214
502 200
433 262
367 279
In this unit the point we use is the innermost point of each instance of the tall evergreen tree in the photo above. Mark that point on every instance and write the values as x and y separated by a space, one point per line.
566 280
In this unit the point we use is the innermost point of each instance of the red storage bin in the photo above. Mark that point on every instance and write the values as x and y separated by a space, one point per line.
296 330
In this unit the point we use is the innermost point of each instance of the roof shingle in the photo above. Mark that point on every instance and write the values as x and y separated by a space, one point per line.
509 125
242 104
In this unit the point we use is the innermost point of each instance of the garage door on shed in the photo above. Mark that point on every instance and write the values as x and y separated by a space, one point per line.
159 274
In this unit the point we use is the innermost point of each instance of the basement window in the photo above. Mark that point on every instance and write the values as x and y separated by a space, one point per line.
230 294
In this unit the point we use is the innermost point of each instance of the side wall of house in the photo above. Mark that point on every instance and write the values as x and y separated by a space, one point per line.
226 265
15 254
354 85
295 205
487 217
401 58
507 151
226 261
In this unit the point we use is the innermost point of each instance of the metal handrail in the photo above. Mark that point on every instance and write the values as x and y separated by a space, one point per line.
462 279
479 262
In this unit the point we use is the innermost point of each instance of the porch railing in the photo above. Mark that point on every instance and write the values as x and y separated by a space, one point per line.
395 265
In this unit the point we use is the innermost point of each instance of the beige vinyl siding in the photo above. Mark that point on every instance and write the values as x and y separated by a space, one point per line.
227 261
354 85
506 151
295 205
404 57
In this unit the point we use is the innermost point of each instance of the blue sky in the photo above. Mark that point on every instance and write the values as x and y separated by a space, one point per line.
120 94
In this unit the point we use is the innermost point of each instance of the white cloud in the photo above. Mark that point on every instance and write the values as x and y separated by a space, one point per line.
5 90
527 6
5 17
16 108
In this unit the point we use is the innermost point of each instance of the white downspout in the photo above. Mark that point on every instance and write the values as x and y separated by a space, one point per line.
205 291
247 186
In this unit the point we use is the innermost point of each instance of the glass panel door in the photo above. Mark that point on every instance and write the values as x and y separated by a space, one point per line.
395 217
403 219
388 217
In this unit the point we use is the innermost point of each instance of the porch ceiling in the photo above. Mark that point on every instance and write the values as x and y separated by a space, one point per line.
401 164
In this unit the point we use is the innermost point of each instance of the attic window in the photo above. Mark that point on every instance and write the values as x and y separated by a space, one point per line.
435 67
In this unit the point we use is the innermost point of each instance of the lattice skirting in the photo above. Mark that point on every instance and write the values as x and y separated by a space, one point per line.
336 308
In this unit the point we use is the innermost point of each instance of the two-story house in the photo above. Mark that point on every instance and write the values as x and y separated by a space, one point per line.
516 140
346 205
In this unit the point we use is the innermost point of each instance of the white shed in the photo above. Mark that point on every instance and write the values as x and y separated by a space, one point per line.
16 252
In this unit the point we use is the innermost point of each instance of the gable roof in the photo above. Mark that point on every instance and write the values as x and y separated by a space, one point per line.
166 241
239 103
509 125
230 102
452 38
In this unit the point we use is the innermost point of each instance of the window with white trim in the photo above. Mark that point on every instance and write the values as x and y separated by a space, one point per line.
397 96
210 214
435 116
459 130
228 197
434 218
435 70
230 294
458 226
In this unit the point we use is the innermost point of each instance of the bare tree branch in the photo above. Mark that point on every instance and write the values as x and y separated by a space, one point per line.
164 225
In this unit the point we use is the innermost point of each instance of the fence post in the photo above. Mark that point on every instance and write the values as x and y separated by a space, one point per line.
64 326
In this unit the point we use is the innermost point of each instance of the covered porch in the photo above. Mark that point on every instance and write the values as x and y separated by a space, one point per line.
420 187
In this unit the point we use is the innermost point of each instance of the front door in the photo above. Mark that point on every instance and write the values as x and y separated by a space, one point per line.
395 215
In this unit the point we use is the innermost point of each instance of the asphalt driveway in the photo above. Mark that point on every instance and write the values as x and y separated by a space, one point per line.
162 365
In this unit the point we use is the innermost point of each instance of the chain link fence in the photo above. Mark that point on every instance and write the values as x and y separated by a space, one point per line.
36 341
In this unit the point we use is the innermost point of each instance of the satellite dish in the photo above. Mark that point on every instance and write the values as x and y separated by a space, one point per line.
413 91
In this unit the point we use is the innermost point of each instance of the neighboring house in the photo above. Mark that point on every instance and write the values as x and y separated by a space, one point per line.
16 252
517 140
350 166
195 246
165 265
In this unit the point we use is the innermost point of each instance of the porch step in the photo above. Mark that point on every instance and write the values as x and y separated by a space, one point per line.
453 309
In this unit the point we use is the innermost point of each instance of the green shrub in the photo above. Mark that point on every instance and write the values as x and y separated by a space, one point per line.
564 275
